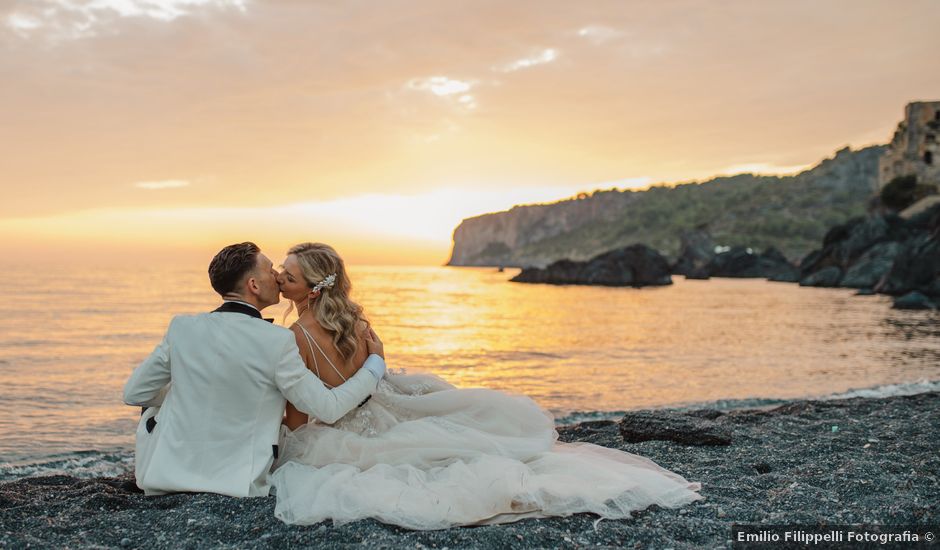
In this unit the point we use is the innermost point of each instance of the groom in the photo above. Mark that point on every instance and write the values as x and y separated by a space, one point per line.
216 387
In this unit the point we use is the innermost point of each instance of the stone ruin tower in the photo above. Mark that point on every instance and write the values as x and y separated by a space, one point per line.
915 148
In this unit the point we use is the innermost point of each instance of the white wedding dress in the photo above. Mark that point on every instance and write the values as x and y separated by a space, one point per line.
423 454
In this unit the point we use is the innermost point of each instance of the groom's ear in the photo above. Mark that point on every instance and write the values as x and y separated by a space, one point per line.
251 285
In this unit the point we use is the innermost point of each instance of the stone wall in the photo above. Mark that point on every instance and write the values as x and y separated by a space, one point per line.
915 147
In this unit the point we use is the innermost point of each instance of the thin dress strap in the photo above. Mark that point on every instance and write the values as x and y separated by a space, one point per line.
312 342
309 338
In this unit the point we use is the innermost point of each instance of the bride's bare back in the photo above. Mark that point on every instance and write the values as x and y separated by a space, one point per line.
323 359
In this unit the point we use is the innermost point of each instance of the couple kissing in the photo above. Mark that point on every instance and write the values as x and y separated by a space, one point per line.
243 407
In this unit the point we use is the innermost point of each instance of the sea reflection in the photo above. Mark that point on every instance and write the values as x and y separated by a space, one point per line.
65 351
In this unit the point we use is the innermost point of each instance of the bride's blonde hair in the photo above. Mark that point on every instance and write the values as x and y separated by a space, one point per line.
333 309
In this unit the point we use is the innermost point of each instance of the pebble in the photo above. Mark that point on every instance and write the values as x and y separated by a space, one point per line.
813 479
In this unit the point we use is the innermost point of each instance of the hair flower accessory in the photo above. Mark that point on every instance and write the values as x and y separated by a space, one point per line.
325 283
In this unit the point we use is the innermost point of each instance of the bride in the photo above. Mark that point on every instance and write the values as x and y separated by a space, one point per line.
423 454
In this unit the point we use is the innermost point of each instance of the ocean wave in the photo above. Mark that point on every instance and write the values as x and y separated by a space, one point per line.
129 336
501 355
874 392
82 464
587 416
32 343
890 390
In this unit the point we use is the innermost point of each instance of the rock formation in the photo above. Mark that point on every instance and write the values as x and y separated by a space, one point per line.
686 429
637 265
884 253
696 250
743 262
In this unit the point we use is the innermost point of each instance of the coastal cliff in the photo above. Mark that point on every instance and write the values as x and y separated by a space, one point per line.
494 239
790 213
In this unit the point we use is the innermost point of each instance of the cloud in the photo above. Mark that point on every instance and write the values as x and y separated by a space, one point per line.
468 101
165 184
638 47
440 85
22 24
540 58
68 19
448 88
598 34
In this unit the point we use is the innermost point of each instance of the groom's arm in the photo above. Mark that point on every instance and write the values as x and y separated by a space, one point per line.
308 394
149 382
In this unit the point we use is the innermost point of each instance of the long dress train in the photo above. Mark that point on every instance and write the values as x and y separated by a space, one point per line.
423 454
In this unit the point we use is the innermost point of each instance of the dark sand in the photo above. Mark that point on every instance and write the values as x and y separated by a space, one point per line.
786 465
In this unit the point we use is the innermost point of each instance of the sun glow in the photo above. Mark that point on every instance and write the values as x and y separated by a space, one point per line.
137 126
369 228
763 168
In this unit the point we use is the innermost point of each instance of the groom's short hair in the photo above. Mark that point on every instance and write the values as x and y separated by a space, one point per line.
231 264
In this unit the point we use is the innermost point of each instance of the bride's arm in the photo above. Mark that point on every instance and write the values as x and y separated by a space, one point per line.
362 348
293 418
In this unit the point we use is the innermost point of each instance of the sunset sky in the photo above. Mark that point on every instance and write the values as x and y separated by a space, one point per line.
173 127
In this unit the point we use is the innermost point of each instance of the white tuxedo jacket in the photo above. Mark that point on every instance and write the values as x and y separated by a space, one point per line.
216 388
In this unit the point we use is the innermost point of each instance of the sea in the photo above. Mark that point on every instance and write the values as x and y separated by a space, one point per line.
70 337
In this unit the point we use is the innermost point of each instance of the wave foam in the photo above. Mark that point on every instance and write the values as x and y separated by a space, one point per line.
82 464
890 390
874 392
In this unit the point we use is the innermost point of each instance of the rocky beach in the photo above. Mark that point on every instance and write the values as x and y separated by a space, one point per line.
829 462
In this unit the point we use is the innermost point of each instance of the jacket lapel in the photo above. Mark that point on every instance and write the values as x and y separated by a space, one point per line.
235 307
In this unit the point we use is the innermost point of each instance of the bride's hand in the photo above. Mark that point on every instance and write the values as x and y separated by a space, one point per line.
374 344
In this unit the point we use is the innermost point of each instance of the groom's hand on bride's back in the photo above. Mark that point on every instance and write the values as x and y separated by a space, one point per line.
373 344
